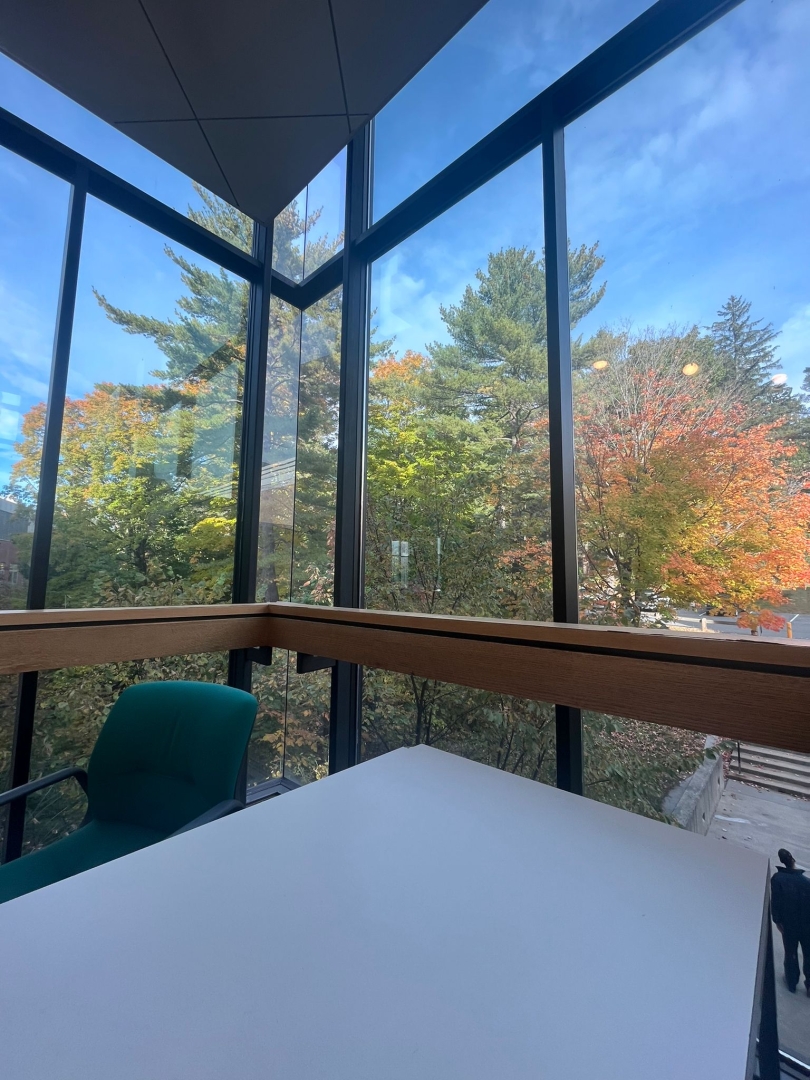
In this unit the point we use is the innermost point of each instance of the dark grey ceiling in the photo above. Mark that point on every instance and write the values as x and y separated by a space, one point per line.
250 97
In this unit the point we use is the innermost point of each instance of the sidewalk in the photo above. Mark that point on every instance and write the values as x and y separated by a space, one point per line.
765 821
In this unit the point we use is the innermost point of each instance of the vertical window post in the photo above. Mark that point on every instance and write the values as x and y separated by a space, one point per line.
249 484
565 601
46 501
251 421
346 700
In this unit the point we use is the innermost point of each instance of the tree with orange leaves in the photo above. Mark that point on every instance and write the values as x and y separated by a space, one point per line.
681 499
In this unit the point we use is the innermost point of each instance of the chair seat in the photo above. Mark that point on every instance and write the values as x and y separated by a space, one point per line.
95 843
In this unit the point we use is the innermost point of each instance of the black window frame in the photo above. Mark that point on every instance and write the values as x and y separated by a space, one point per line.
660 30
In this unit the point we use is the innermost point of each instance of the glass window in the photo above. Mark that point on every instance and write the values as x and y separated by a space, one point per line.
316 459
309 231
291 737
458 517
457 465
279 453
8 706
33 218
763 806
690 422
506 55
72 705
146 492
297 529
638 766
35 101
505 732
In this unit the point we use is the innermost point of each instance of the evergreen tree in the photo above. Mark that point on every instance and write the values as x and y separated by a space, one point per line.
745 360
743 345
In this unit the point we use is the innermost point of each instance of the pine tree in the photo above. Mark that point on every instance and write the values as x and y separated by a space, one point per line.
744 345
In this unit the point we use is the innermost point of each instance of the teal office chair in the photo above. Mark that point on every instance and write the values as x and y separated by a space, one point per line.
167 759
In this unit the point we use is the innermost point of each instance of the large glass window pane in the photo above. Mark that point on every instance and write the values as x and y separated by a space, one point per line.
309 231
279 453
505 732
457 472
690 422
8 705
33 218
297 523
41 105
502 58
72 705
146 492
291 738
691 426
765 807
299 460
316 455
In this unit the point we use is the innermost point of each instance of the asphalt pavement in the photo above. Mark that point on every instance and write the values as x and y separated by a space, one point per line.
693 621
765 821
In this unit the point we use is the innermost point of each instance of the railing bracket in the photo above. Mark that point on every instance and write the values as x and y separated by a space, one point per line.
306 663
262 654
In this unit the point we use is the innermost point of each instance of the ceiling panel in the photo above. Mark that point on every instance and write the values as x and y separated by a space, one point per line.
182 138
102 53
382 45
276 59
256 152
277 86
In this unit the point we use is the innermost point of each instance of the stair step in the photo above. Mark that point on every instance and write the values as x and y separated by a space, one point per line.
787 787
772 754
777 768
771 774
771 768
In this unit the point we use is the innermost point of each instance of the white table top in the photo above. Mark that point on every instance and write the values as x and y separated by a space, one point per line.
419 917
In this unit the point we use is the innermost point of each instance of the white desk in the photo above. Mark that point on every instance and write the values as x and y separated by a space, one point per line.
418 917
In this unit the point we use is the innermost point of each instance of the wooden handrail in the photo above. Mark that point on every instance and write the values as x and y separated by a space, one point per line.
58 638
733 686
736 687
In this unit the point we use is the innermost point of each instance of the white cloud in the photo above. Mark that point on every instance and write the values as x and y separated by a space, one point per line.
9 424
26 341
407 308
708 125
794 344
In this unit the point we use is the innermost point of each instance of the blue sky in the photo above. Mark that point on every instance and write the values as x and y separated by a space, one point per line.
694 179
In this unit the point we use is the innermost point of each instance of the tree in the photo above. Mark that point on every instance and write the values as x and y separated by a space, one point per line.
690 489
680 500
145 509
744 362
743 346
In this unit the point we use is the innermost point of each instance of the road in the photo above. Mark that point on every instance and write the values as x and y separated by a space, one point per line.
690 620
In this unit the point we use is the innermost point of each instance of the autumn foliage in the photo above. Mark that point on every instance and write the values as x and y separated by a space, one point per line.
682 499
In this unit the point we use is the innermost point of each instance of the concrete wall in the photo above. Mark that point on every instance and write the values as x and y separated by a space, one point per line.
693 802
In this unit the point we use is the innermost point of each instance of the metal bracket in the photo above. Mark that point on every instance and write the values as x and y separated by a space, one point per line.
262 654
305 663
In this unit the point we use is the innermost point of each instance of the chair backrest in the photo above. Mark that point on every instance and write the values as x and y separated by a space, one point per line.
169 751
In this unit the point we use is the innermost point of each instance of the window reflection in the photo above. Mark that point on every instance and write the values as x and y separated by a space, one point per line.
33 218
148 471
457 464
690 416
506 54
46 108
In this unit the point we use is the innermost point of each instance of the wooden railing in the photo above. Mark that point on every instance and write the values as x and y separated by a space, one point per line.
737 687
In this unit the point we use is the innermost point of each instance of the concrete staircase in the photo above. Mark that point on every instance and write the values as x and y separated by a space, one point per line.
776 770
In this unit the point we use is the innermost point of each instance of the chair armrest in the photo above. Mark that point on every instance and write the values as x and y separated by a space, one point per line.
229 806
44 782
